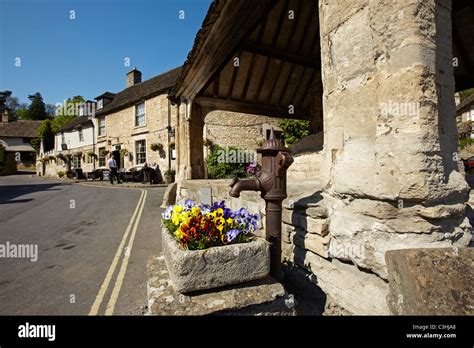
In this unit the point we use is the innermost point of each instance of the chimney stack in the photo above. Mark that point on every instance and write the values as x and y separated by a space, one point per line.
134 77
5 116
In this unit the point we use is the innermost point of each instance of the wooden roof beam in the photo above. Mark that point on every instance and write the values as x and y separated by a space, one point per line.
249 108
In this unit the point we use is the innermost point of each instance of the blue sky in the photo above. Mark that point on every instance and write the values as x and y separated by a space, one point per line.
62 57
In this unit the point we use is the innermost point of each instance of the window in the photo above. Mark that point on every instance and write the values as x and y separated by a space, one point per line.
26 140
100 104
76 162
101 126
101 156
277 134
63 140
140 114
140 151
81 135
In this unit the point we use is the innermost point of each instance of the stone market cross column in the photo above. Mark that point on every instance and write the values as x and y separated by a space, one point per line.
190 141
390 167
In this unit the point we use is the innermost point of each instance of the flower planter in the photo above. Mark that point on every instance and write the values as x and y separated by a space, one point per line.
192 270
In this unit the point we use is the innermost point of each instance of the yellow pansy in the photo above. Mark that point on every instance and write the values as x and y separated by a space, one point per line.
195 211
220 223
177 209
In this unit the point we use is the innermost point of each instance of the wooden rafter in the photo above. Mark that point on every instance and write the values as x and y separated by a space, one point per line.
299 45
268 51
274 40
234 76
252 61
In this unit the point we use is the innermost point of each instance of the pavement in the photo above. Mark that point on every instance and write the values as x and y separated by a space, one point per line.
93 244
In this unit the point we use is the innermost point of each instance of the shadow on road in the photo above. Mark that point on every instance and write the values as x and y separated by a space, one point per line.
10 192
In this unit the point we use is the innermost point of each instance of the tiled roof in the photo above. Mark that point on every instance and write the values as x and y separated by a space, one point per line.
140 91
78 121
466 103
20 129
106 95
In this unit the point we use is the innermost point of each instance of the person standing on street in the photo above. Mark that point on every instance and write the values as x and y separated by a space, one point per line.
113 169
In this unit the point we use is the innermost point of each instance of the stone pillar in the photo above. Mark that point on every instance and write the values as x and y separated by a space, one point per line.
390 167
189 144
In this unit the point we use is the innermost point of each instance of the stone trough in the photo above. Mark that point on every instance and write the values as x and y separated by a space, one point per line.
192 270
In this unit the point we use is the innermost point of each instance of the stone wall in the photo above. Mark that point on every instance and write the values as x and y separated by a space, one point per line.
244 131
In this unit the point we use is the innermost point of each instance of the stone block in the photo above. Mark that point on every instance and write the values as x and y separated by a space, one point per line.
431 281
192 270
359 293
169 197
312 242
299 219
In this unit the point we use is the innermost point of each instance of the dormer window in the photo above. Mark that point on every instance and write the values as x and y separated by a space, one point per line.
100 104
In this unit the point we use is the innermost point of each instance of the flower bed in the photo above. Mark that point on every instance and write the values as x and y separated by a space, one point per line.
208 247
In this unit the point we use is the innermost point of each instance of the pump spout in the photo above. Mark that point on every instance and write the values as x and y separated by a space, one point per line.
238 186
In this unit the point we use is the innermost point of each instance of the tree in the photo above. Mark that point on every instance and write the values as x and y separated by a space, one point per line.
37 109
294 130
4 96
70 107
466 93
46 132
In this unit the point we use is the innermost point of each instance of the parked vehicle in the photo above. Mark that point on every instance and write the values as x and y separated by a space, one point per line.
468 164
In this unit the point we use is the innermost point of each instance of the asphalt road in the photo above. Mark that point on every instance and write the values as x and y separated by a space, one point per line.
93 244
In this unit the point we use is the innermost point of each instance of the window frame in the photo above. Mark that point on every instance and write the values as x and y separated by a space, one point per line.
76 160
103 157
137 124
99 126
140 155
81 134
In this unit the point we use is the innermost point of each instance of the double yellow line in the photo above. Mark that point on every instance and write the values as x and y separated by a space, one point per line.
132 226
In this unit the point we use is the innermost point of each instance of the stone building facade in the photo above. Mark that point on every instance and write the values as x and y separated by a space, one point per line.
136 124
15 143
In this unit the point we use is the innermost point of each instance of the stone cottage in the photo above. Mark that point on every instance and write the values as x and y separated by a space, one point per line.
377 78
15 143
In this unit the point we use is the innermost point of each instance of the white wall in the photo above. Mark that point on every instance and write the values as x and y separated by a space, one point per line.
71 138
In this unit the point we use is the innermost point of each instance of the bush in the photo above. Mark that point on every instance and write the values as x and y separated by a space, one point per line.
61 173
218 169
294 130
465 142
